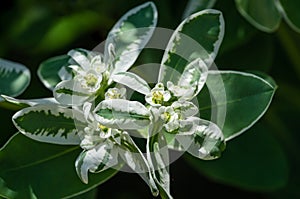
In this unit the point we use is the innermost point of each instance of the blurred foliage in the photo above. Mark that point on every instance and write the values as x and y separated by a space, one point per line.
32 31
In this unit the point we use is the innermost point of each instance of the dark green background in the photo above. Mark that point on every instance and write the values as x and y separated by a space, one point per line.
25 28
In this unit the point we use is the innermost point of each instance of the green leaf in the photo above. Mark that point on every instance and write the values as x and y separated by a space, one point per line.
134 158
205 142
194 77
262 14
14 78
31 168
197 5
49 70
50 123
235 100
97 159
122 114
198 36
129 36
132 81
71 92
158 156
290 12
254 162
23 103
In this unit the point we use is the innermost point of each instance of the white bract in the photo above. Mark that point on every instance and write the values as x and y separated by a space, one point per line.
94 72
158 96
89 72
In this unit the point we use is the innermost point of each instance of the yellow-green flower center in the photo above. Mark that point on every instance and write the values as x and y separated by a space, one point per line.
167 116
157 97
103 128
91 80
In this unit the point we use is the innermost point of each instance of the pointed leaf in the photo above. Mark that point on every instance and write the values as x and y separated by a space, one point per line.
122 114
289 10
23 103
14 78
50 123
54 70
128 37
207 142
198 36
70 92
135 159
159 157
238 100
254 162
99 158
133 81
197 5
41 167
255 12
194 77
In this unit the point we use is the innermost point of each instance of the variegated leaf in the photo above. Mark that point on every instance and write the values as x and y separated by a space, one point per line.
50 123
54 70
135 159
122 114
70 92
207 141
23 103
198 36
194 77
97 159
185 108
159 156
129 36
267 20
133 81
14 78
289 10
197 5
231 100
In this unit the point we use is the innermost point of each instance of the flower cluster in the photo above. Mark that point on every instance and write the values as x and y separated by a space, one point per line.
92 107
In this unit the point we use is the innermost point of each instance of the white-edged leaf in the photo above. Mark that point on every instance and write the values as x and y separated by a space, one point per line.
133 81
135 159
159 154
97 159
50 123
70 92
22 103
232 100
185 108
206 142
255 12
122 114
54 70
14 78
194 77
82 57
289 10
129 36
197 5
197 37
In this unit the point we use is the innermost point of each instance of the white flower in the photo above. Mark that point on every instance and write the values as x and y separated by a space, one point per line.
94 133
170 117
115 93
158 95
89 72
